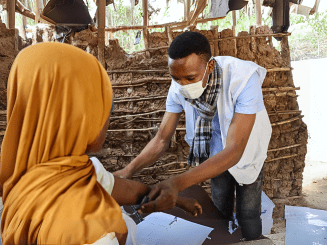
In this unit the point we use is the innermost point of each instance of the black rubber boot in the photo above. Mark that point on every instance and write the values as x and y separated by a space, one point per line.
67 12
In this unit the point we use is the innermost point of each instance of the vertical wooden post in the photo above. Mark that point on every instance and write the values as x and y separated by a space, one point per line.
145 23
37 11
253 31
24 22
215 51
187 6
234 22
11 14
101 31
258 17
169 34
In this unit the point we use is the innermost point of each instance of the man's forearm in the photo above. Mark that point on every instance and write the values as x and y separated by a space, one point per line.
212 167
150 154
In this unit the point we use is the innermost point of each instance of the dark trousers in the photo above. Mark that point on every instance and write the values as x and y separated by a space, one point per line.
248 202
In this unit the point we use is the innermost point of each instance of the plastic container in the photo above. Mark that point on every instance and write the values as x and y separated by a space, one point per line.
267 208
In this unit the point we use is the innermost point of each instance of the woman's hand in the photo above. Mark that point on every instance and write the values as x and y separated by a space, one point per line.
189 205
163 196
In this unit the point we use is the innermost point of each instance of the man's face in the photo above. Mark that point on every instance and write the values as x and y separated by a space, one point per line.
190 69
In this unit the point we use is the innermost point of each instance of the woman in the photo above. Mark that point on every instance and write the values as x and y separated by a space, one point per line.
59 104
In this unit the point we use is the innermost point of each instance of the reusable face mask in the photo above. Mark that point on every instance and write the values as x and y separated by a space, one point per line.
193 90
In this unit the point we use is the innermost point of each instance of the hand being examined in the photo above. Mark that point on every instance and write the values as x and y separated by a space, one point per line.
189 205
164 196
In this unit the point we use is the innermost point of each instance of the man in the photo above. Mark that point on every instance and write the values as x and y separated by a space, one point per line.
227 128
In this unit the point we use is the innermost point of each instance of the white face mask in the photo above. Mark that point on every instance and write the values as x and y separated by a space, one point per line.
193 90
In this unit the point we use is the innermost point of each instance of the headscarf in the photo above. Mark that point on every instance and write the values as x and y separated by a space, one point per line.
59 98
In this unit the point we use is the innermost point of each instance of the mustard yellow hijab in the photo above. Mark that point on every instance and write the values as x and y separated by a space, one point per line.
59 98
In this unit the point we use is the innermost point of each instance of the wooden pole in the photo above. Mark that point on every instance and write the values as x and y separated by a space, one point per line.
187 5
37 11
145 23
258 12
24 23
234 21
215 51
101 31
11 14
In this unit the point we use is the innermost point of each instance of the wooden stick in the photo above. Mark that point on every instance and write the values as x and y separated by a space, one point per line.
234 22
142 80
172 24
141 99
284 131
37 11
170 35
162 166
283 200
139 129
279 69
166 70
255 35
138 115
287 120
150 49
285 157
179 169
286 147
21 9
136 71
276 113
145 23
101 31
280 89
187 7
215 43
258 17
131 85
280 94
11 14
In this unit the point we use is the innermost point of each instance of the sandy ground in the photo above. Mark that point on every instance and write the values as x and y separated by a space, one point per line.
314 196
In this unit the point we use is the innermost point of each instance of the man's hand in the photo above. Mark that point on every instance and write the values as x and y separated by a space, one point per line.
164 196
189 205
123 173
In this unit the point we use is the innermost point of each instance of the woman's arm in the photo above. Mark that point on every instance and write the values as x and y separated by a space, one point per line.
129 192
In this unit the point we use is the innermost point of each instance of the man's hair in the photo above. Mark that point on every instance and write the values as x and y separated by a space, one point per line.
189 43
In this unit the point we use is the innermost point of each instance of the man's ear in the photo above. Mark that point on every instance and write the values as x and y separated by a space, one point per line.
211 66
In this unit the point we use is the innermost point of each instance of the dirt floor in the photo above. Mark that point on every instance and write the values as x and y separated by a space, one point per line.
314 196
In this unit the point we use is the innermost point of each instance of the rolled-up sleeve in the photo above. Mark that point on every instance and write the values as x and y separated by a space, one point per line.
105 178
250 100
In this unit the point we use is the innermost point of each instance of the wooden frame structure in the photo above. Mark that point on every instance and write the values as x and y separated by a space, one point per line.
16 6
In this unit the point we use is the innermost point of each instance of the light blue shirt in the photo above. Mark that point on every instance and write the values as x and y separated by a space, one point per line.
250 101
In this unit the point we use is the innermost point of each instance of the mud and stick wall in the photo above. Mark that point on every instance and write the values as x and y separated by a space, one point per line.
141 82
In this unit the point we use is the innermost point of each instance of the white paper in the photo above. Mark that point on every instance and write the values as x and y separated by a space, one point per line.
165 229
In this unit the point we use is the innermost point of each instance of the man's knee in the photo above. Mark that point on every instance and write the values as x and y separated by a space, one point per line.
251 228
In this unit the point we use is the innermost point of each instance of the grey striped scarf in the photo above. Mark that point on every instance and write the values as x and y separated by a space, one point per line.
206 107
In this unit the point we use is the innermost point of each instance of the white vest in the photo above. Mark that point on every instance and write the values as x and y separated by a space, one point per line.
236 74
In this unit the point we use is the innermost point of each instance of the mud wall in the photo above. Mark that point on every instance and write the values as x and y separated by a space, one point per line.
141 82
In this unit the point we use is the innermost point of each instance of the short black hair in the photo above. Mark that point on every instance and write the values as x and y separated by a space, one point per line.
189 43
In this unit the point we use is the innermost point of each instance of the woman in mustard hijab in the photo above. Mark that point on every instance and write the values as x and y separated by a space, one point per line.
59 104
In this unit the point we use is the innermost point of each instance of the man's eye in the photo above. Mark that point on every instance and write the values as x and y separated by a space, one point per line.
190 79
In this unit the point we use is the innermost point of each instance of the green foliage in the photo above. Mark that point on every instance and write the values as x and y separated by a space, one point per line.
123 15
